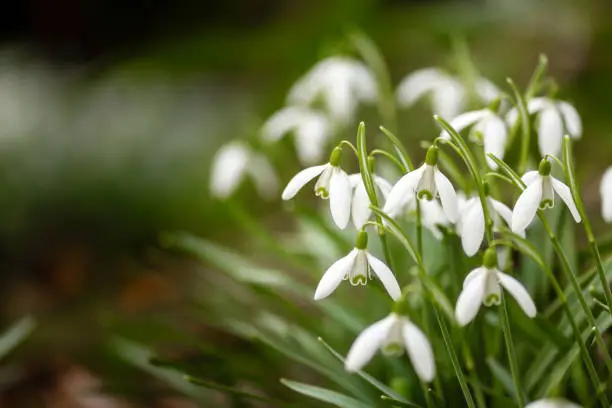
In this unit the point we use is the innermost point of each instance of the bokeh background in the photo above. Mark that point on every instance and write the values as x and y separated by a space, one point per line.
110 112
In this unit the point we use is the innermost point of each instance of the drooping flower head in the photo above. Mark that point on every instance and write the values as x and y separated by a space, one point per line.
427 183
552 403
605 190
233 162
555 118
333 184
311 131
356 268
393 334
340 82
360 202
483 286
488 129
448 94
539 193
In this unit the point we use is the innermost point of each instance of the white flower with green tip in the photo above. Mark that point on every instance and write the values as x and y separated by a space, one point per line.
357 267
427 183
393 334
539 193
332 183
360 202
483 286
605 190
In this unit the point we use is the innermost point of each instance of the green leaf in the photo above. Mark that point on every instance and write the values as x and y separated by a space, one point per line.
16 334
231 390
325 395
504 377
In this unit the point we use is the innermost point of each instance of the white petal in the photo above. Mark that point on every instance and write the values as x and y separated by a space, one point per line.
464 120
486 90
403 189
550 132
367 343
502 210
566 195
448 99
281 122
473 229
263 175
552 403
573 124
311 137
383 185
386 276
340 198
495 135
299 180
360 206
419 351
530 177
512 116
334 275
448 197
605 189
229 165
474 273
417 84
526 206
537 104
518 292
355 179
471 298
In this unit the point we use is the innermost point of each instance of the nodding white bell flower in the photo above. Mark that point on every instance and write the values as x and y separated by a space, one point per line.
552 403
333 183
428 183
432 214
605 190
233 162
311 131
360 202
555 118
357 267
471 222
540 193
393 334
340 82
488 129
448 93
483 286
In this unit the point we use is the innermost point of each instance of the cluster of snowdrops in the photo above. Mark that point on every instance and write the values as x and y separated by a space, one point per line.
325 102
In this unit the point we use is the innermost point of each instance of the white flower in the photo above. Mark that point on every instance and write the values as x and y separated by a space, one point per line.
552 403
232 163
555 118
340 82
483 286
427 182
356 267
471 222
393 334
333 183
360 202
448 94
486 123
605 190
311 131
540 193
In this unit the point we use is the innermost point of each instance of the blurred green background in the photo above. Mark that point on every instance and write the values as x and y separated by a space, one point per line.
109 115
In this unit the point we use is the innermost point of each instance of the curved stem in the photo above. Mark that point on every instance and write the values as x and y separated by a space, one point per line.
399 148
389 156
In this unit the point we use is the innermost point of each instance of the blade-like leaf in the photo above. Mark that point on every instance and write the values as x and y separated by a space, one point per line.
16 334
323 394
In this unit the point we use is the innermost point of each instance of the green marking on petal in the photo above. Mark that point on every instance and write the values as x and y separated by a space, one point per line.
425 194
322 192
393 350
492 299
358 280
544 204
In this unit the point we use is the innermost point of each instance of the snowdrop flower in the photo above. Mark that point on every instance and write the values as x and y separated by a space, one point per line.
427 182
483 285
448 94
311 131
540 193
333 183
340 83
552 403
555 118
360 202
356 267
487 129
392 335
605 190
233 162
471 222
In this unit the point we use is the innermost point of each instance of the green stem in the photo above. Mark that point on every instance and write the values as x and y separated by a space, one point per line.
399 148
503 314
389 156
573 184
521 105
